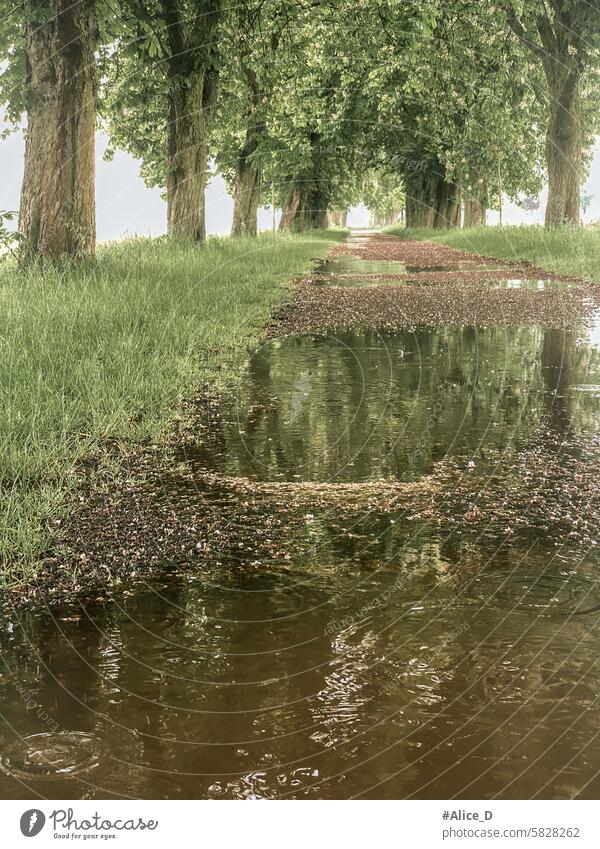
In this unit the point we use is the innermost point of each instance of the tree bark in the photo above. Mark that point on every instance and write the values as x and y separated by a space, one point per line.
57 214
337 217
474 212
309 195
246 196
447 209
246 201
318 202
563 147
191 107
432 200
305 207
421 196
560 58
294 211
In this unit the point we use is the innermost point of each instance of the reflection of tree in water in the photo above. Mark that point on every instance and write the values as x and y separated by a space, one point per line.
385 404
70 677
559 367
569 363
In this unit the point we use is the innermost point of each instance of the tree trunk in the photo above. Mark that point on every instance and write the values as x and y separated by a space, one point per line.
191 107
474 212
419 212
294 211
447 209
305 207
57 214
421 197
431 199
563 147
308 197
247 187
246 200
318 202
337 217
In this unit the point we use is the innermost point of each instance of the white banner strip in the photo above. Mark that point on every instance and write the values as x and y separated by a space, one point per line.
272 825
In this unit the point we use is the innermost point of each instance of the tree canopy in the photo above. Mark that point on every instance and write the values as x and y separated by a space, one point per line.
438 105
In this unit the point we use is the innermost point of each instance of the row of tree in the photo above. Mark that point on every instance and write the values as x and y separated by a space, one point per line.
311 105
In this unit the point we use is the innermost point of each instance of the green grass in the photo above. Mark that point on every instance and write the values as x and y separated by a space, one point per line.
105 351
561 250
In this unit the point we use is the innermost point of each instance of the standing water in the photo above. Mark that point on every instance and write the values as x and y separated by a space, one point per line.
448 646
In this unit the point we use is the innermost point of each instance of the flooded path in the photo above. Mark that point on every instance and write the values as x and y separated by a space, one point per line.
383 581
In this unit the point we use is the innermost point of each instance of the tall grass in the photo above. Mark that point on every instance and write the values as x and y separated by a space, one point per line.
105 350
562 250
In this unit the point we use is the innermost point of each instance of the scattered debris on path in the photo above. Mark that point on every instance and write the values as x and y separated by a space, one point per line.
315 308
454 290
156 511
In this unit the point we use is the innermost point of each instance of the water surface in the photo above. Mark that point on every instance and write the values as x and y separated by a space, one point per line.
369 405
373 654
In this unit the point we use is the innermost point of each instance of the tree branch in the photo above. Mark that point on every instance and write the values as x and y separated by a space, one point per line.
519 30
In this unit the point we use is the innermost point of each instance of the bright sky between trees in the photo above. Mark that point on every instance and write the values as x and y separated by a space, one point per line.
125 206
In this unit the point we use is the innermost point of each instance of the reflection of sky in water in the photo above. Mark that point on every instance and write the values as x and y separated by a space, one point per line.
539 285
592 334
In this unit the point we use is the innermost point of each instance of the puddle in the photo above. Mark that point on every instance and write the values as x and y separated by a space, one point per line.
51 755
352 265
371 654
532 284
367 405
432 668
485 283
347 271
459 266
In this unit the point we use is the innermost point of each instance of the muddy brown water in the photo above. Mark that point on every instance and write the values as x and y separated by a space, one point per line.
378 657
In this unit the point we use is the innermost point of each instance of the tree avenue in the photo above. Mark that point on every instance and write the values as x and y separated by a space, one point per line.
430 108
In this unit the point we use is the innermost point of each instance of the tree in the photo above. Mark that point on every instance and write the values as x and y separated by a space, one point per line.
452 105
162 79
320 115
564 35
383 195
51 67
283 130
250 39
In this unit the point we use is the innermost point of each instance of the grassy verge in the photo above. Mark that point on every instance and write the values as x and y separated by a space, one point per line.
105 351
560 250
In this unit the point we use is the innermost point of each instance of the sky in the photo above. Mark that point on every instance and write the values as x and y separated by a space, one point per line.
125 206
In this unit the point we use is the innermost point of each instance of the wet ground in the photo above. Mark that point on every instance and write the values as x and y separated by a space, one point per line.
372 572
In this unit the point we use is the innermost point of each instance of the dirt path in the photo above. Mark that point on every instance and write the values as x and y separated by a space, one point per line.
156 512
442 285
